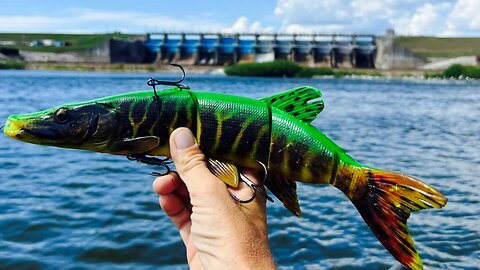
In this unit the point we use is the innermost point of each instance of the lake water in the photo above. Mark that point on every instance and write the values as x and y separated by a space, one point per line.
71 209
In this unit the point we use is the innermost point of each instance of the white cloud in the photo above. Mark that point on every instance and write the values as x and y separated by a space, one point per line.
310 11
257 27
312 29
428 19
242 26
331 16
465 18
408 17
298 28
377 8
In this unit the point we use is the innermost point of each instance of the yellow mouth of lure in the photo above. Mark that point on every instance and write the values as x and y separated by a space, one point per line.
13 127
16 129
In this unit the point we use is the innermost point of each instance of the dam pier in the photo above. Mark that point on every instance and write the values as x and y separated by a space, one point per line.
224 49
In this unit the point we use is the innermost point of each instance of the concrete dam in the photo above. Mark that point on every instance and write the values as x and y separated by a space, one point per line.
342 51
221 49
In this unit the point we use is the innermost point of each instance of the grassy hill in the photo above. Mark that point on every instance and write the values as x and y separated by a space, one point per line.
441 47
76 42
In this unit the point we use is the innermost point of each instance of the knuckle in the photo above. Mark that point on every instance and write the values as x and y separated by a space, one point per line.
190 160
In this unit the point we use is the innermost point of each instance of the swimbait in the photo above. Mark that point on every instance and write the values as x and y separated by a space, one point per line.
237 131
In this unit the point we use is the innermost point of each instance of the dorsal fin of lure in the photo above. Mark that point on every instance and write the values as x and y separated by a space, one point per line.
286 191
298 102
226 172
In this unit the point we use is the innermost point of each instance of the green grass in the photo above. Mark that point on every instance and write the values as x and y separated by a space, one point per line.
77 42
457 71
440 47
433 75
284 68
11 64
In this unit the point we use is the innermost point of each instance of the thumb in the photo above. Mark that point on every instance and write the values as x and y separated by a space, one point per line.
190 163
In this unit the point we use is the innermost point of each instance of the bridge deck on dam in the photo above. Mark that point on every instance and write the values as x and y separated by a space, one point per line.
221 49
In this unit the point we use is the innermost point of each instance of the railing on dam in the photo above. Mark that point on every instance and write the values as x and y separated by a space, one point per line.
222 49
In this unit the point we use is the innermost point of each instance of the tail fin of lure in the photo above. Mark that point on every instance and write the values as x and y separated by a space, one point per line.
389 199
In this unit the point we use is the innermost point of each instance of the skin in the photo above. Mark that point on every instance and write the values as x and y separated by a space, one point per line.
218 233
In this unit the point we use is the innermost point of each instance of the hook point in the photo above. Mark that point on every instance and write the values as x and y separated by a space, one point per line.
153 82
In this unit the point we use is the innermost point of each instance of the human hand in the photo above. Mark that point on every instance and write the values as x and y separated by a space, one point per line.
218 233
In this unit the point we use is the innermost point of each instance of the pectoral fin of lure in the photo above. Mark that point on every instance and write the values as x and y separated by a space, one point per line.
138 145
226 172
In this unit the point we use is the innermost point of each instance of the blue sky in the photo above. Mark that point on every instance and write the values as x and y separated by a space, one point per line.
408 17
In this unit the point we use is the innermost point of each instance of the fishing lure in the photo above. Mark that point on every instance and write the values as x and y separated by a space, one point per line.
272 134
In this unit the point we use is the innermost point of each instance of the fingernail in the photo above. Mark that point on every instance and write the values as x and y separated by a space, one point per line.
184 139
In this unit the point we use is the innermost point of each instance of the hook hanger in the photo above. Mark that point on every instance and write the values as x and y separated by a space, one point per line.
153 82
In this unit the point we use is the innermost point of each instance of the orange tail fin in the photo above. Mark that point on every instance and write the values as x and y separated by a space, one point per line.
386 206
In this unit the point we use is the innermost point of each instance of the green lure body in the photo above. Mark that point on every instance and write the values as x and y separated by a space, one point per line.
239 131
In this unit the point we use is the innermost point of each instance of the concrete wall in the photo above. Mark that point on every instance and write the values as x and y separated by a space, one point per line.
99 54
392 56
125 52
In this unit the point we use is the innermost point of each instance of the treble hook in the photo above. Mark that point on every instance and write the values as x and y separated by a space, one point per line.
153 161
256 188
153 82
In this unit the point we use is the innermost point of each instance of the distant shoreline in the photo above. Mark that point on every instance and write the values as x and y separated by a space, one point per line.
140 68
465 72
190 69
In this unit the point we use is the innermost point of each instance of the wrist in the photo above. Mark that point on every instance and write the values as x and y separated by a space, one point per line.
253 251
253 261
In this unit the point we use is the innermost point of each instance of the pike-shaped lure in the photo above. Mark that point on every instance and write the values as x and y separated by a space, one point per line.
237 131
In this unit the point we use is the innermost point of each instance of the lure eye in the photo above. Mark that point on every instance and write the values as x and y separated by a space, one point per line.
61 116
